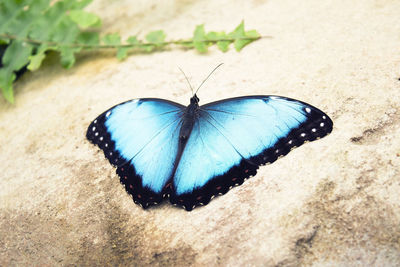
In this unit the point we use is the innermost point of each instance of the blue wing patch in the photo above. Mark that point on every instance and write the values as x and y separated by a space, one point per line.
140 137
191 154
233 137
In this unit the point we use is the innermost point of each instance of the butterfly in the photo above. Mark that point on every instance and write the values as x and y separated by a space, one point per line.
192 153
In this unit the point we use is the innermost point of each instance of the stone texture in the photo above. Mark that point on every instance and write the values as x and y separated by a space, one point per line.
334 202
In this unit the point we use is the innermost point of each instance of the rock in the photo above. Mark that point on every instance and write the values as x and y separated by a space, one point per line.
330 202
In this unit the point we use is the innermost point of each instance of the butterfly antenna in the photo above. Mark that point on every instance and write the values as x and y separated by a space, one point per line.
208 76
191 88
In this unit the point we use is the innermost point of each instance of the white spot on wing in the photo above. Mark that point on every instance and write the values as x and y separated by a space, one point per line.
322 124
313 130
308 110
324 117
108 113
302 134
93 128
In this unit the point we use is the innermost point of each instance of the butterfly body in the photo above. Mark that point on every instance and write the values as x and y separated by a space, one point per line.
192 153
189 117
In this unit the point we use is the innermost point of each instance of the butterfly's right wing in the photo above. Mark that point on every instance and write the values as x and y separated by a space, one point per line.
140 137
231 138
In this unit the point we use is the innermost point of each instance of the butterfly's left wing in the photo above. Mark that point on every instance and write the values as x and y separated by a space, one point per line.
232 137
140 137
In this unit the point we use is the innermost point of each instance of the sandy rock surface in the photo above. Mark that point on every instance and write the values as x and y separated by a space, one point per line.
333 202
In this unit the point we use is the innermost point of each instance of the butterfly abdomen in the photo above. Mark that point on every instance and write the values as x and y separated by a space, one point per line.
189 117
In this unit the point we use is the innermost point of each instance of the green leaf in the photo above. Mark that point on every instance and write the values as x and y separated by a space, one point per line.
155 40
8 11
156 37
84 19
88 38
147 47
223 45
47 24
115 39
20 25
6 79
253 34
16 17
80 4
65 32
122 53
16 55
38 6
68 56
36 61
238 32
112 39
212 36
243 38
199 38
132 40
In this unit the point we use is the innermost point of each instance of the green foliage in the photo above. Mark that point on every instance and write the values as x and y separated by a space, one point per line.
31 28
156 37
84 19
15 57
199 37
112 39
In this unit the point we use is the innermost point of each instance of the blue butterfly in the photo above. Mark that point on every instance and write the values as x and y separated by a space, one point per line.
192 153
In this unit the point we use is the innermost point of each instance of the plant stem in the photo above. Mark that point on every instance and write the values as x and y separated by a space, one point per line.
140 44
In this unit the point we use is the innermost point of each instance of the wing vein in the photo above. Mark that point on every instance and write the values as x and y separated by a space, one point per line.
229 141
227 112
150 140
